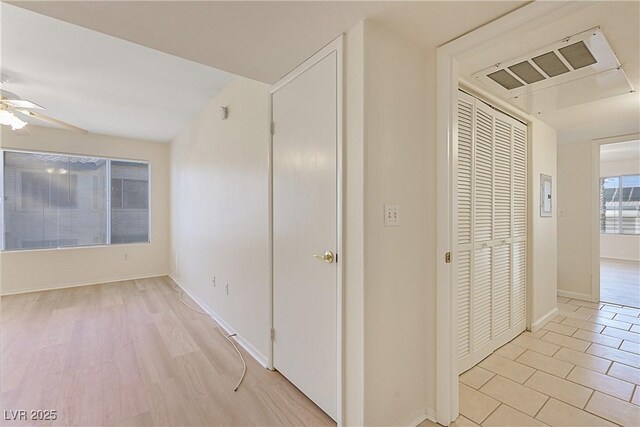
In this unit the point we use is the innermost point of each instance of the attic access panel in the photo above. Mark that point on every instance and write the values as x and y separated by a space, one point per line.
578 69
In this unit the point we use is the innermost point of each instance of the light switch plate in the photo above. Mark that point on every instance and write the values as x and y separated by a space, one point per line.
391 215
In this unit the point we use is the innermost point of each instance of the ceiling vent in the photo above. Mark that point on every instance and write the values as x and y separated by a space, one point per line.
556 76
550 64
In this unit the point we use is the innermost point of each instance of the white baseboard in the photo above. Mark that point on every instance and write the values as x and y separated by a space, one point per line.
537 324
259 357
574 295
80 284
413 419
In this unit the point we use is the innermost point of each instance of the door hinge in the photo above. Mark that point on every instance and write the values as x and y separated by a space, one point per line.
272 128
273 334
447 257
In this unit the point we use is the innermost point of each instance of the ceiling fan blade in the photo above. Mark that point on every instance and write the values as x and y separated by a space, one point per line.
23 103
50 120
8 95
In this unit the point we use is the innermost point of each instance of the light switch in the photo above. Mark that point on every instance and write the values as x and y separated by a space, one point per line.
391 215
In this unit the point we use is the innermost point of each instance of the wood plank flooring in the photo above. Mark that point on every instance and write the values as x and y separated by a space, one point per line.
131 354
620 282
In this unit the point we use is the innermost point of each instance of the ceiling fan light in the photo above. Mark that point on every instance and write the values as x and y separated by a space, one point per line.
18 124
7 118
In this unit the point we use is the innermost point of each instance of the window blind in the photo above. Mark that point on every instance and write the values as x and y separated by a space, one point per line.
51 201
55 200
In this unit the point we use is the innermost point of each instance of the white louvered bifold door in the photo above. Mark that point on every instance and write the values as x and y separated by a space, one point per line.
464 226
490 223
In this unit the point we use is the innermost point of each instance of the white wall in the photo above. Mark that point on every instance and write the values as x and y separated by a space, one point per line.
620 246
399 262
574 220
543 231
220 214
354 228
219 210
52 268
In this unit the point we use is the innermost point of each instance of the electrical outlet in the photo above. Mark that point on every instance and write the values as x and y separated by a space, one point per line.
125 257
391 215
227 289
214 281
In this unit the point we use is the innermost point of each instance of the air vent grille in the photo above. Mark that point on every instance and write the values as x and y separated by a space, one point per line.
551 64
577 55
577 69
526 72
504 79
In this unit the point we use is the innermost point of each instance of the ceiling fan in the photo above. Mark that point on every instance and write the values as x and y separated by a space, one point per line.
12 108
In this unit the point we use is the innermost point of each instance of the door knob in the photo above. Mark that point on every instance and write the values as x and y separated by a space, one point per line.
328 257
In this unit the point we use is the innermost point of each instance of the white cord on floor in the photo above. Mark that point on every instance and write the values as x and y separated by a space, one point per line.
227 337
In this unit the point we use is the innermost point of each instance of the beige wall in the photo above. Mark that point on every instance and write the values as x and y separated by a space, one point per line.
219 211
574 221
399 266
52 268
620 246
543 243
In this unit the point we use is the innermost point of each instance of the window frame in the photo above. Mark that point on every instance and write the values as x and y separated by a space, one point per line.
620 193
108 161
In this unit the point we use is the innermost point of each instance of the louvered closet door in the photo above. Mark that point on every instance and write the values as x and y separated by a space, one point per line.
463 225
481 286
502 225
490 224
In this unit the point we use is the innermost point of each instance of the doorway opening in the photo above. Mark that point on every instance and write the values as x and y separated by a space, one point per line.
619 220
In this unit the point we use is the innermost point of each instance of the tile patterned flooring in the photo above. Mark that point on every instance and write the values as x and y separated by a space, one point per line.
581 369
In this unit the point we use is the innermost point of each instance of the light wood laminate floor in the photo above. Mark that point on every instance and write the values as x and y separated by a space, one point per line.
131 354
620 281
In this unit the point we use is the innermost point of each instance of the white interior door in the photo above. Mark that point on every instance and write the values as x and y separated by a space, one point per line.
490 223
305 227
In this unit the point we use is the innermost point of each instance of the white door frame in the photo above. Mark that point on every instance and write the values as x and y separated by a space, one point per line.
337 46
447 83
595 208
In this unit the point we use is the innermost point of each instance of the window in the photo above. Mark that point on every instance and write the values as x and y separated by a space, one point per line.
620 204
129 202
57 200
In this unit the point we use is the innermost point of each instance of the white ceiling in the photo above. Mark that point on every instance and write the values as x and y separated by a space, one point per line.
433 23
101 83
105 71
620 151
620 23
264 40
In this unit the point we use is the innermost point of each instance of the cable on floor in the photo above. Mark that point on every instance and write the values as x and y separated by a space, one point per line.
227 337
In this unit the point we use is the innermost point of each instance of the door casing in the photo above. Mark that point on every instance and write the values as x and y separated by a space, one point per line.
596 144
337 46
448 80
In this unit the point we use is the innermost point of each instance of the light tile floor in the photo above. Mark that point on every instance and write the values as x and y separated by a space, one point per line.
581 369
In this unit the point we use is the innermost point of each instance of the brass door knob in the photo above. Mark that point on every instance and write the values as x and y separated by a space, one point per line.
328 257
